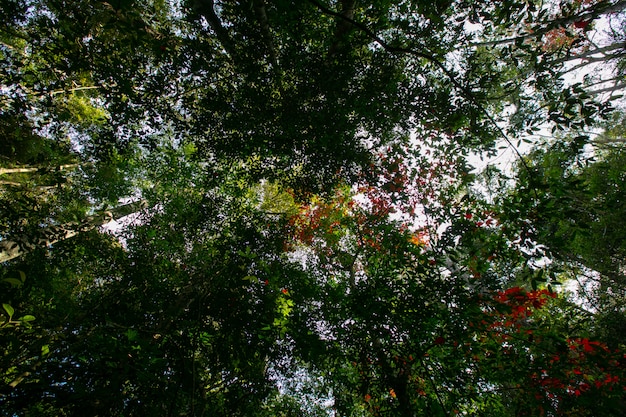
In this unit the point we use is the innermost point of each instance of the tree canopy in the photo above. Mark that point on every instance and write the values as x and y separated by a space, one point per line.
278 208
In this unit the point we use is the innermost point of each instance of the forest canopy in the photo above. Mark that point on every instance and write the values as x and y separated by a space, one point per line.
312 208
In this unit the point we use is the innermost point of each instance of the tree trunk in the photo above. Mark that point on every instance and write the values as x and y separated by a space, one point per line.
10 249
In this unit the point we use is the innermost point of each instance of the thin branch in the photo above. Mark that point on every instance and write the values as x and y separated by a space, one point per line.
38 94
71 90
584 63
602 50
19 378
599 82
613 89
607 141
6 45
436 391
504 41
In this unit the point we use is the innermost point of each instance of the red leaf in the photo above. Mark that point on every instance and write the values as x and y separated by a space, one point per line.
581 24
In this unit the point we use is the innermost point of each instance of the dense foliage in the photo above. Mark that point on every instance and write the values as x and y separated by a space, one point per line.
270 208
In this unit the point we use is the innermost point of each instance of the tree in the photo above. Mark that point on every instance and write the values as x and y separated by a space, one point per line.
312 223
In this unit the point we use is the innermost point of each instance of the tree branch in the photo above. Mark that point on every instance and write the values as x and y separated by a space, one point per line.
612 47
206 8
26 187
36 169
616 87
435 390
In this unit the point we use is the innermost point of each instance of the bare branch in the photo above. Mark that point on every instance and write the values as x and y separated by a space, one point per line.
584 63
613 89
603 50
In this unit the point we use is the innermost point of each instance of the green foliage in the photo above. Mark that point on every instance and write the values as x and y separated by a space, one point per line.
312 238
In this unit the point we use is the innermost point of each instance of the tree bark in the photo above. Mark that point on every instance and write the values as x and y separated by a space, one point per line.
13 248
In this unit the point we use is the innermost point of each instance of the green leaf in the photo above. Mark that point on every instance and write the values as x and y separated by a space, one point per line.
8 309
22 276
131 334
26 318
15 283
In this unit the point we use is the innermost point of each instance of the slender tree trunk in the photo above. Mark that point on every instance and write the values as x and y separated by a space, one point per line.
25 187
11 249
35 169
